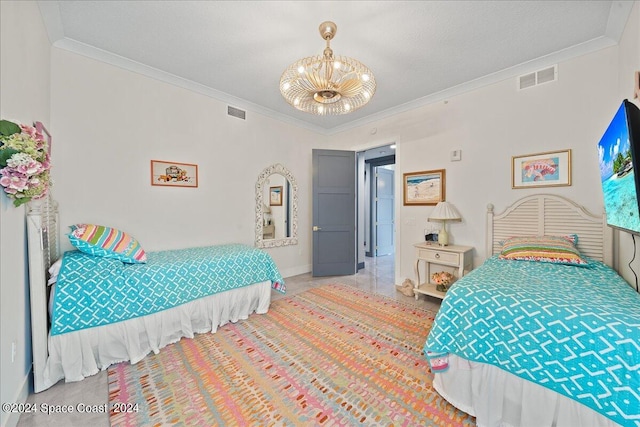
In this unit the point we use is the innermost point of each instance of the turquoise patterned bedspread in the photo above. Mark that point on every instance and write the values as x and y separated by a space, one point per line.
575 330
93 291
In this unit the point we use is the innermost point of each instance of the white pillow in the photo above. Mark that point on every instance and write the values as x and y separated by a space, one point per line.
53 272
51 294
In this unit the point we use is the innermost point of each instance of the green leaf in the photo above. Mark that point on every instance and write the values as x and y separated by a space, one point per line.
8 128
5 154
22 201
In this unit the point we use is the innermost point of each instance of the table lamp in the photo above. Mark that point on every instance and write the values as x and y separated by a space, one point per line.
266 213
444 212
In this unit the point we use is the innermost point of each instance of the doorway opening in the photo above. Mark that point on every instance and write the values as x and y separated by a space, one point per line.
376 206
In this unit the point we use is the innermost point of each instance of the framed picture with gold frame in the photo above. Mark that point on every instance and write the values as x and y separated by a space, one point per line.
424 188
548 169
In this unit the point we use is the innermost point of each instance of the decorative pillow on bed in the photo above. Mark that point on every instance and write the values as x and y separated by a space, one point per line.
107 242
553 249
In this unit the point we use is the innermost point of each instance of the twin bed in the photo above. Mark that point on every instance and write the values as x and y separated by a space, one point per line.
106 311
537 342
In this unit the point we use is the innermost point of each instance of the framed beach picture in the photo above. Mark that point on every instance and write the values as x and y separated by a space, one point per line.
549 169
275 196
174 174
424 188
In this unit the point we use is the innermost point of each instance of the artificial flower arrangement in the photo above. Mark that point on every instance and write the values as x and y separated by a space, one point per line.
24 162
442 279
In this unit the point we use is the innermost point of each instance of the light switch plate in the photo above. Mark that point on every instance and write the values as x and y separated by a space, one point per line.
456 155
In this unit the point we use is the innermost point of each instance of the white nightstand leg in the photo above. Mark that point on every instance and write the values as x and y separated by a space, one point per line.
417 284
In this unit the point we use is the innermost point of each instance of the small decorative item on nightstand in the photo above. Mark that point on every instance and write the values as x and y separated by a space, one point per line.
442 280
431 237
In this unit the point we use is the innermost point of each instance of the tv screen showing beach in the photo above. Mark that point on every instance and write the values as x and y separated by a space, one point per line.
617 175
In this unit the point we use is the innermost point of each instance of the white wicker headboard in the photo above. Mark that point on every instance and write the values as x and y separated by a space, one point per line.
44 250
546 214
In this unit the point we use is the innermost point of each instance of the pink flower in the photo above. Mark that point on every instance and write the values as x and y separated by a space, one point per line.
11 172
14 183
30 169
32 132
442 278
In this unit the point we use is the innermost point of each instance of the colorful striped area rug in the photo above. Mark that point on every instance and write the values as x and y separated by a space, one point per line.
331 356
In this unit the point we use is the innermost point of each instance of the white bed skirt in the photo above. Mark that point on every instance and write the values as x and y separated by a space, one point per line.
499 399
76 355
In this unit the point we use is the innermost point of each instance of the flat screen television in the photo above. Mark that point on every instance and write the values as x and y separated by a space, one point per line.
619 156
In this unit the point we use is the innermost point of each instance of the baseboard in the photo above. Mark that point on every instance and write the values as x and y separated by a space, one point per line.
295 271
23 394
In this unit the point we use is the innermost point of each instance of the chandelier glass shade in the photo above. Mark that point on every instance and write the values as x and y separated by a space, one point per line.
327 84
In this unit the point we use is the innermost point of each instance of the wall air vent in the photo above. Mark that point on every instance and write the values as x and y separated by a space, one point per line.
546 75
236 112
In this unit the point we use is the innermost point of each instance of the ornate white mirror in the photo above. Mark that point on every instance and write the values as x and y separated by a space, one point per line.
276 208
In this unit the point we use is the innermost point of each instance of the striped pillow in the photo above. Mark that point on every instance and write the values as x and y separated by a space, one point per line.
107 242
553 249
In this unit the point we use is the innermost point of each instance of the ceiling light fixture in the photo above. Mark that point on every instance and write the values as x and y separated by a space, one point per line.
327 85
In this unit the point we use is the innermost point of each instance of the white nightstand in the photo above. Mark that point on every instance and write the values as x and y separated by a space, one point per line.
269 231
458 257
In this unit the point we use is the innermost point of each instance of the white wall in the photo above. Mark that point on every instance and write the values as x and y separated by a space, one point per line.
492 124
108 124
24 79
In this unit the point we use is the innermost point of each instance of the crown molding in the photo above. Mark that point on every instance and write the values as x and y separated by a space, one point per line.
511 72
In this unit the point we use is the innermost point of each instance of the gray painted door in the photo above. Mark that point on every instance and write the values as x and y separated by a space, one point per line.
384 212
334 213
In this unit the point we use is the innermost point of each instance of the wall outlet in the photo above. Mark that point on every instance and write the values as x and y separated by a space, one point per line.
13 351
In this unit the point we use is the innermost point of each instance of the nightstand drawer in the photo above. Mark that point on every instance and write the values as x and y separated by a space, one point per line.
439 256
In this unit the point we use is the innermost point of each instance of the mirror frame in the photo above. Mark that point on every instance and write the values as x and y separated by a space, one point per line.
262 178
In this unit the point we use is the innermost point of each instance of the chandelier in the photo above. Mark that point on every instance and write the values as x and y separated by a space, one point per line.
327 84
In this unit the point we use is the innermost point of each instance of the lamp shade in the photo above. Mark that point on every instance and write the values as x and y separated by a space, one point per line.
444 212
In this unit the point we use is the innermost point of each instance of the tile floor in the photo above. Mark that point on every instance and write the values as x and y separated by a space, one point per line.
377 277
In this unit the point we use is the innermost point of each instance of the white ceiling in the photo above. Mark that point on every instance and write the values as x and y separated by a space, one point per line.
419 51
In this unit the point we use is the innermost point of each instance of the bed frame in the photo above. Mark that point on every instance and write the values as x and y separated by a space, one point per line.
44 249
547 214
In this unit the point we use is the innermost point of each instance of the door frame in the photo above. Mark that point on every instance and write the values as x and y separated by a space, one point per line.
360 150
373 163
